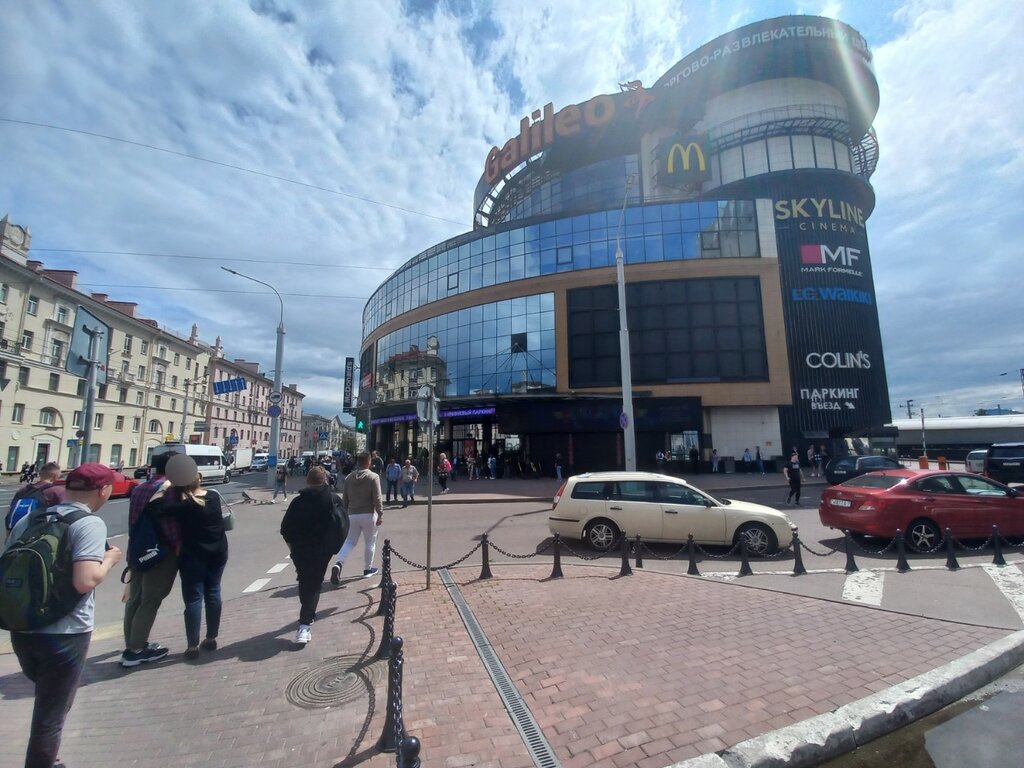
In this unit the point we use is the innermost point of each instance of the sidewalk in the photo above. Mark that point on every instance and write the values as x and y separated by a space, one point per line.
645 670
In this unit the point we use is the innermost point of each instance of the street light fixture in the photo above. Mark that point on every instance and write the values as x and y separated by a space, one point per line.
1007 373
275 421
626 418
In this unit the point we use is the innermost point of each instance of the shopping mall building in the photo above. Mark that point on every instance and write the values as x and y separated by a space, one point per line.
738 187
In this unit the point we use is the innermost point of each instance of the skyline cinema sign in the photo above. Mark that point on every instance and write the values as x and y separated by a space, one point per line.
545 127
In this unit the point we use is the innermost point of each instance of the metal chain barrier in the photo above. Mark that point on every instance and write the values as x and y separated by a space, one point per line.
705 553
831 550
1006 543
615 545
434 568
983 545
514 556
656 556
873 552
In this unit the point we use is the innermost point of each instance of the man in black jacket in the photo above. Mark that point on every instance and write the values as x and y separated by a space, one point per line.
314 527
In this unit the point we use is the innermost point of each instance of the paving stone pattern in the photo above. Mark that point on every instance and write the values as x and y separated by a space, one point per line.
645 671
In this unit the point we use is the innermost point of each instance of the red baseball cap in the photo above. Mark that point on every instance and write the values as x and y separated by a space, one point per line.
89 477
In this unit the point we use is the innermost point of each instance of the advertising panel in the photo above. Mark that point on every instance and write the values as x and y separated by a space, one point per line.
350 369
832 331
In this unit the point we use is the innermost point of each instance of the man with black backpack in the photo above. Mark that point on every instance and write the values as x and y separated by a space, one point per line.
154 542
38 495
61 552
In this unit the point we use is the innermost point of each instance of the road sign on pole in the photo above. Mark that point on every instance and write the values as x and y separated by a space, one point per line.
274 398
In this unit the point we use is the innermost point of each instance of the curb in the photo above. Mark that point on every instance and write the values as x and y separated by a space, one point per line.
826 736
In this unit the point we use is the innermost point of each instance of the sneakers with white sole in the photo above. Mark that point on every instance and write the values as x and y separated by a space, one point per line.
370 573
303 636
336 574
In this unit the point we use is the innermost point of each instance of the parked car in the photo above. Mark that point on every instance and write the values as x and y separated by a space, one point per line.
922 504
599 507
259 462
842 469
122 485
1004 462
975 461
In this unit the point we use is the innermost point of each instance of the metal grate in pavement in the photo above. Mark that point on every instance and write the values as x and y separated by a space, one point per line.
538 747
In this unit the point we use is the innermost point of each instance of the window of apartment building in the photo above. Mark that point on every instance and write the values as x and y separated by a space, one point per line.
27 337
47 417
140 398
119 423
12 451
61 314
23 373
154 425
170 427
136 424
159 378
76 419
54 382
80 388
56 351
127 348
124 366
144 347
33 305
133 454
142 373
162 352
216 431
4 288
174 404
18 414
102 394
174 382
94 453
156 401
115 454
3 335
98 421
218 413
177 358
122 395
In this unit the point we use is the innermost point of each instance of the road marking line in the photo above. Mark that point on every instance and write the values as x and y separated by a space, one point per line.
863 587
278 568
257 585
1010 581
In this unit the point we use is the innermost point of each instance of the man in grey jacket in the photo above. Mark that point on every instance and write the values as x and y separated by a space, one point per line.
361 498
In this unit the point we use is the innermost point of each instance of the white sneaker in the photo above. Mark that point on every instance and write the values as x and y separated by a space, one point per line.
303 636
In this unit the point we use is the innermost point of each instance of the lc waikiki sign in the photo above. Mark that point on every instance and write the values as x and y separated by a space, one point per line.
545 127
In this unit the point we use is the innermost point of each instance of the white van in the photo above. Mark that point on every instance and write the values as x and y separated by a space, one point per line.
213 467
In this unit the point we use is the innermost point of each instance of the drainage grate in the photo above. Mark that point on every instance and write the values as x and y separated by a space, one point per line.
538 747
335 681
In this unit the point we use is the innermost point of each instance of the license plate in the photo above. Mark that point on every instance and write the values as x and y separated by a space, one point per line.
840 503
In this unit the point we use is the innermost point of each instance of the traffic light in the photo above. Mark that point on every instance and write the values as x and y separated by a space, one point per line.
360 425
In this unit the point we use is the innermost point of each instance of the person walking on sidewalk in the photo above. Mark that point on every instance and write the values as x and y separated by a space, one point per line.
281 481
313 527
361 498
795 477
148 588
409 477
26 499
204 551
444 468
53 656
393 474
377 463
760 460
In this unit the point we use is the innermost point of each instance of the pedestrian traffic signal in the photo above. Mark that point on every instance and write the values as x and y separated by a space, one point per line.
360 425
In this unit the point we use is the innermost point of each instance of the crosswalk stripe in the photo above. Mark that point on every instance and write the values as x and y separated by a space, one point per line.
278 568
1010 581
863 587
257 585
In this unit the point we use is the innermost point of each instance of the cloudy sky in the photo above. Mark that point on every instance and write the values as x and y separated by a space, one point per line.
319 144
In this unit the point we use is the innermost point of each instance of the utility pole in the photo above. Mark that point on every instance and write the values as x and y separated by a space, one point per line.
909 403
90 392
924 442
626 417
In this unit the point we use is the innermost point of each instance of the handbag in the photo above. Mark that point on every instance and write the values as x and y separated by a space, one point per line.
226 515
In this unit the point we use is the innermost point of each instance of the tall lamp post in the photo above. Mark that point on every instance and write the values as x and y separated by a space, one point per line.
1007 373
626 418
275 418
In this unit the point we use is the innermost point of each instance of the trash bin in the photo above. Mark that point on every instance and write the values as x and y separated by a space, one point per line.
922 462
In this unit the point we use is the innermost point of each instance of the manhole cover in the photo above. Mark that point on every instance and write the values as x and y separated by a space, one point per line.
335 681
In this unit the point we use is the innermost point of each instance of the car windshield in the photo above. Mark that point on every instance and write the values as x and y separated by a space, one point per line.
873 480
1006 452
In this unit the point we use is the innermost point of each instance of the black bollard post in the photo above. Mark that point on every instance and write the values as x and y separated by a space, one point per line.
384 651
997 548
851 564
901 553
744 558
951 562
692 569
409 754
798 558
385 577
639 553
556 566
394 729
485 566
625 570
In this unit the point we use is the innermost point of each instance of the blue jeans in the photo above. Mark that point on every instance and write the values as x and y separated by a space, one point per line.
280 486
408 493
200 583
54 664
392 489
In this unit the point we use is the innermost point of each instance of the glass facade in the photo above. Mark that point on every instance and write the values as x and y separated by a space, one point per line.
669 232
500 347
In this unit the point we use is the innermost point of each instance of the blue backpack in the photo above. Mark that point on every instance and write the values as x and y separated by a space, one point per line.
26 501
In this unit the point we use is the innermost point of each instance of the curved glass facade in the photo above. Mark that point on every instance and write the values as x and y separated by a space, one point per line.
669 232
499 347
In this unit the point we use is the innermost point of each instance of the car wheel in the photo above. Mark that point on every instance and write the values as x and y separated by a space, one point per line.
923 536
601 534
761 539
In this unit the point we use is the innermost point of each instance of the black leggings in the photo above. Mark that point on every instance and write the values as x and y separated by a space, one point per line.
794 488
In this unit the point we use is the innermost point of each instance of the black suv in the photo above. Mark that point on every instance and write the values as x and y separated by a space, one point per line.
841 470
1004 463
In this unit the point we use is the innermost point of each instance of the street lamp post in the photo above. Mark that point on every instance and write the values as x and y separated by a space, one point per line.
275 421
1007 373
626 419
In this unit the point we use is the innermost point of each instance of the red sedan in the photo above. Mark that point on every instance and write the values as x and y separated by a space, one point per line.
122 485
923 504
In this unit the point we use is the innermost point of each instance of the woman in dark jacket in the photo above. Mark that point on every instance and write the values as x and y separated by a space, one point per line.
204 553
